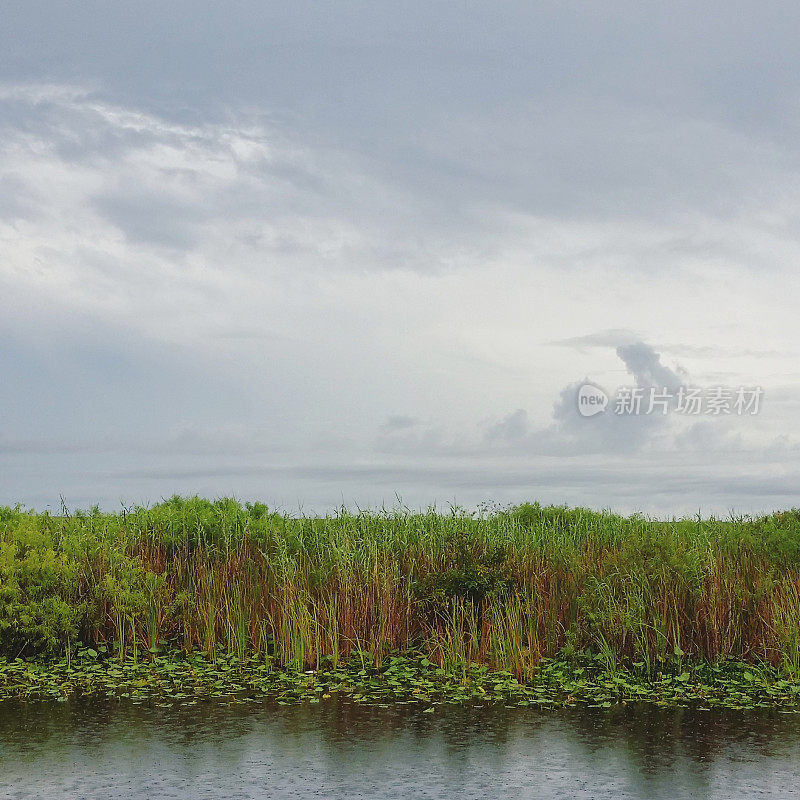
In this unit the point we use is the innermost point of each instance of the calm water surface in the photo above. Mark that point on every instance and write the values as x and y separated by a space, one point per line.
343 750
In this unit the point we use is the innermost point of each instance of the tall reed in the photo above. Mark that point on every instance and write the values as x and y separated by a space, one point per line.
503 589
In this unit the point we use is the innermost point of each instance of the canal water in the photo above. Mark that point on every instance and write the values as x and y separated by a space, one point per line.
346 750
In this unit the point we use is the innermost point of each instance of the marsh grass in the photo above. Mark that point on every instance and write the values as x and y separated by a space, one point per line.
503 589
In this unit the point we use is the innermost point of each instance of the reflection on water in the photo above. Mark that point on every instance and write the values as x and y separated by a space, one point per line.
343 750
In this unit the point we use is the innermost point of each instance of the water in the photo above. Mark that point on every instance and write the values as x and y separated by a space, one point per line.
343 750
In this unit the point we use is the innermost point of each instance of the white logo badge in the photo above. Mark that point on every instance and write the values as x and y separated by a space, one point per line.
591 400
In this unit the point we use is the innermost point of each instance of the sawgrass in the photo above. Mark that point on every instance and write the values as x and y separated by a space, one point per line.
501 589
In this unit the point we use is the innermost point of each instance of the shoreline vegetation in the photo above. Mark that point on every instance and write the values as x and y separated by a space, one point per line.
529 605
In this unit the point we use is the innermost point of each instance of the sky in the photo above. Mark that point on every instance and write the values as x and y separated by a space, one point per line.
366 254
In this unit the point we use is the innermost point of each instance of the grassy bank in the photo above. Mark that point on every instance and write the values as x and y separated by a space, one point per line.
507 592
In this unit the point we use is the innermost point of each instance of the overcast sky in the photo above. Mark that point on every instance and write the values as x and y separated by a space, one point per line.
318 253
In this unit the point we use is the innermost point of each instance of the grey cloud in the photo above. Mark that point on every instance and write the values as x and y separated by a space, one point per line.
570 433
661 486
271 192
642 361
707 436
399 422
17 200
616 337
79 385
544 112
611 337
607 432
152 218
707 351
718 378
43 446
406 435
216 440
512 428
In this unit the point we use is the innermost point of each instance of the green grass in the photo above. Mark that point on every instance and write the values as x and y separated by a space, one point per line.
497 591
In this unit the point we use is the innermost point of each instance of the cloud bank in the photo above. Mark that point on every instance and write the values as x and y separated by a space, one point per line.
337 253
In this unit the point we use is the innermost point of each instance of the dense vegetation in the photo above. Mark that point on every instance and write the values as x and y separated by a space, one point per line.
502 590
